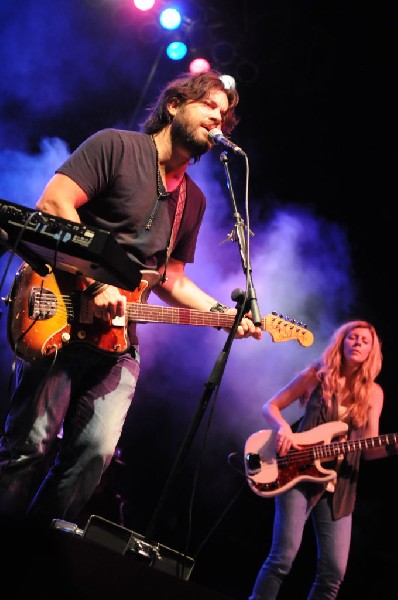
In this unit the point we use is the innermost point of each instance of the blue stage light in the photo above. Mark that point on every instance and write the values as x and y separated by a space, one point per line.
170 18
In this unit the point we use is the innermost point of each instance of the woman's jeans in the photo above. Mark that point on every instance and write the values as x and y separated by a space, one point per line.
86 396
333 538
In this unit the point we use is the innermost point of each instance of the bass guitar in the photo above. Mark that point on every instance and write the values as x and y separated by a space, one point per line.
47 313
269 474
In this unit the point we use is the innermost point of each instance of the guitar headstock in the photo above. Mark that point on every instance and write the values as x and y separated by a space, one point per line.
285 329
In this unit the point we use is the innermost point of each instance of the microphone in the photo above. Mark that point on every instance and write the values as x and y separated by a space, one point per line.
217 137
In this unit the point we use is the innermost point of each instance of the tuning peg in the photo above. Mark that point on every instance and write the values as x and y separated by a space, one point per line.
287 318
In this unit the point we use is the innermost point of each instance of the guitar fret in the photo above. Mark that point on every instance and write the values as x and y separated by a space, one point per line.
188 316
338 448
354 445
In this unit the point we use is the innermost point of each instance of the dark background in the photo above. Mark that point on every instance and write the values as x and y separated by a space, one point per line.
317 82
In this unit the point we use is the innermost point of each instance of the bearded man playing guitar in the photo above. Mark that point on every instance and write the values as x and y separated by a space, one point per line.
135 185
341 398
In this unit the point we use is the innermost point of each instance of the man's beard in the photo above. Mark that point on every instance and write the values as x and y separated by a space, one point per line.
183 136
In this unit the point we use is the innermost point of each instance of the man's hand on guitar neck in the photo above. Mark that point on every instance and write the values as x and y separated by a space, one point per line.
246 327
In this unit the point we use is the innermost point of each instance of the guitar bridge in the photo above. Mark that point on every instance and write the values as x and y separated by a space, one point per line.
42 304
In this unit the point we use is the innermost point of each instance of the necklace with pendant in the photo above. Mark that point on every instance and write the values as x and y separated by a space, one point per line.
159 188
159 182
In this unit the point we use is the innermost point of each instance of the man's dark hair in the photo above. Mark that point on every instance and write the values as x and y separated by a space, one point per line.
191 88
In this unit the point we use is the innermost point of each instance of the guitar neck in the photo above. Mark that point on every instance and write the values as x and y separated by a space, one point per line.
338 448
149 313
280 329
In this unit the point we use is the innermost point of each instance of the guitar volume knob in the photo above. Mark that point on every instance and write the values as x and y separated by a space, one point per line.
65 337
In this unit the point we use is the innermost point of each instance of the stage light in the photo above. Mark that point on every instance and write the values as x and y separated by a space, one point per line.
228 81
199 65
176 50
170 18
144 5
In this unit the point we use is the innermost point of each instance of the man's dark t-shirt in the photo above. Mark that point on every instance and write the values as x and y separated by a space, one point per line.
117 170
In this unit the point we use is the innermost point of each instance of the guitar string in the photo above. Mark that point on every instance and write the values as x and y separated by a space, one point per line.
212 319
337 448
375 442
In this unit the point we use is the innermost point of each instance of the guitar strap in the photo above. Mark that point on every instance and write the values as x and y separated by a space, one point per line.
182 194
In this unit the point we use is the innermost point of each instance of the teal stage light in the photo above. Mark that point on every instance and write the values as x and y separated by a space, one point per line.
176 50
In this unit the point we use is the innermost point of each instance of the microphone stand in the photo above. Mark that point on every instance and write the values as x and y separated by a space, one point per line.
215 378
211 385
238 234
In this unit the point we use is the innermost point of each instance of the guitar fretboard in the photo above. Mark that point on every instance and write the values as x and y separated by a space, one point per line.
279 328
149 313
337 448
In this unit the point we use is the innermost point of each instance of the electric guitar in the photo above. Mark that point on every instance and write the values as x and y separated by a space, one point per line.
269 474
47 313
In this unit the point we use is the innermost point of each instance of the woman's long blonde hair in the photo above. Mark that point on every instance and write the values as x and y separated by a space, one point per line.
363 378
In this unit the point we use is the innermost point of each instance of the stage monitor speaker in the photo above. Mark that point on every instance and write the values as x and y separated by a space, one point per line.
124 541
